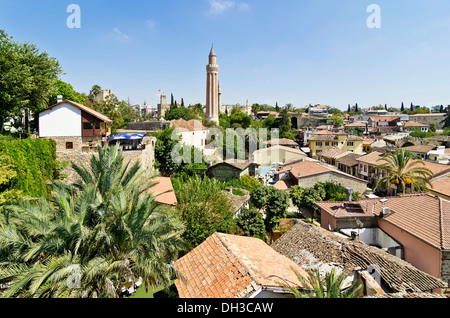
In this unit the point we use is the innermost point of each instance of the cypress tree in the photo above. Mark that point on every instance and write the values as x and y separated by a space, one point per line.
402 108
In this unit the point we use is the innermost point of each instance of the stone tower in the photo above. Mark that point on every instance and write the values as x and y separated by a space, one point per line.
162 106
212 89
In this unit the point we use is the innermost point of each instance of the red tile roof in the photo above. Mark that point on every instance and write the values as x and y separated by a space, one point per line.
422 215
83 108
228 266
164 192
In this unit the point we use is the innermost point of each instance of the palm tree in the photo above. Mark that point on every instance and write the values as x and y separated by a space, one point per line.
92 237
403 171
316 287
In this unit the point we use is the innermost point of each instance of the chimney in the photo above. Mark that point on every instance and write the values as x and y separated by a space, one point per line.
59 99
349 193
355 236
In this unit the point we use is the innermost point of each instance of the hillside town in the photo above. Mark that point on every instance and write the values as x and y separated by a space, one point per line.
100 198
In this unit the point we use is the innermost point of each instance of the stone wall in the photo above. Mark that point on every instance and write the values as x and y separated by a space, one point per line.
445 269
148 126
146 157
357 185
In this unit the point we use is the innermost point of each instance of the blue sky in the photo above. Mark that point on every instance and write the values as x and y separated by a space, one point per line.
285 51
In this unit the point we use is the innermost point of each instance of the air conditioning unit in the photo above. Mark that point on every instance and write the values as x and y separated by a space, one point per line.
385 211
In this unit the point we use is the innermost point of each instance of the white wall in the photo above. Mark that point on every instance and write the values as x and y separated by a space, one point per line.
194 138
62 121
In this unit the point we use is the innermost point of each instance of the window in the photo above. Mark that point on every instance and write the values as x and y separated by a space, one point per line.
87 126
334 144
319 144
350 143
327 144
97 125
69 145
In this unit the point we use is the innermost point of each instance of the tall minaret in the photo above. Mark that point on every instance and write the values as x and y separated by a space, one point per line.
212 89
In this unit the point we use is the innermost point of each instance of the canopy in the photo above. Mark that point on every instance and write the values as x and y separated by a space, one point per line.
127 137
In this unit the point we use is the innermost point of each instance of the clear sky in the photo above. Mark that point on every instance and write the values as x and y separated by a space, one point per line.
285 51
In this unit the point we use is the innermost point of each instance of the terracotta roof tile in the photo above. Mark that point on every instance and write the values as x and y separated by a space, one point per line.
420 148
228 266
83 108
164 192
371 158
310 246
434 225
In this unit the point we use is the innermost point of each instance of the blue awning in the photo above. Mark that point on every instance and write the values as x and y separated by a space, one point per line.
127 137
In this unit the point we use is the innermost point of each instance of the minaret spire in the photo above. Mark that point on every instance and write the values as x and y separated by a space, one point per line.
212 88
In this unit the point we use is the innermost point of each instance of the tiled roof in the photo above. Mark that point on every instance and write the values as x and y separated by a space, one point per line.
190 125
333 153
384 118
371 158
83 108
310 246
282 141
228 266
441 185
279 147
164 192
414 124
322 138
356 124
349 159
322 132
238 164
420 148
433 213
437 169
307 168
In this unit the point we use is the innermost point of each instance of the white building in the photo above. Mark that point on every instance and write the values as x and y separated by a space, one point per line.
70 124
192 132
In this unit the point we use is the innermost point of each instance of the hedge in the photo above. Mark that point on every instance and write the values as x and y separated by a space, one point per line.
34 161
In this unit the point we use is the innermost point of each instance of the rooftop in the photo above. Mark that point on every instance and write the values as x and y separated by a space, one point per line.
164 192
420 148
432 211
191 125
228 266
311 246
83 108
349 160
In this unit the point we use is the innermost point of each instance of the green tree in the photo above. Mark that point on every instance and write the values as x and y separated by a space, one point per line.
286 124
239 119
205 208
337 120
403 172
296 195
275 203
316 287
433 127
252 223
66 90
312 195
165 144
27 76
92 236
